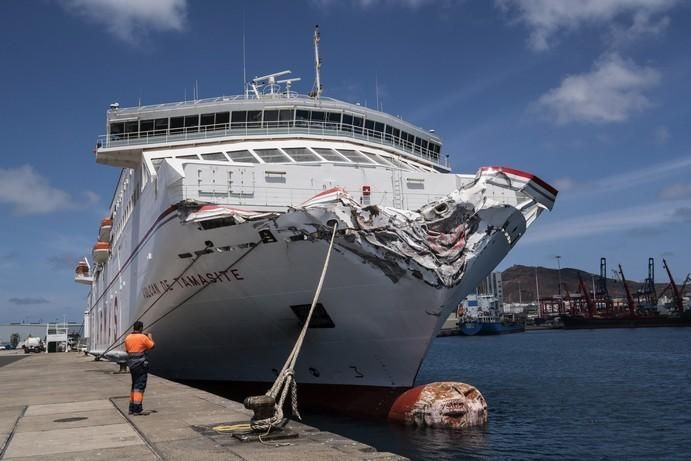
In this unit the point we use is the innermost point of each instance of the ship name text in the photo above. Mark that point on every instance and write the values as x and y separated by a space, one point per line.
191 280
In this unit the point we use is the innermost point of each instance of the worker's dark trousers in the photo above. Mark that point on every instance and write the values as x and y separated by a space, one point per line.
139 374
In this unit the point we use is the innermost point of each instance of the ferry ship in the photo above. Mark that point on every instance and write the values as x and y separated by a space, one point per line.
221 219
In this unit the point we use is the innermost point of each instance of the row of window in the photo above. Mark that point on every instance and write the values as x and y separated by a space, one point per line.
299 154
274 118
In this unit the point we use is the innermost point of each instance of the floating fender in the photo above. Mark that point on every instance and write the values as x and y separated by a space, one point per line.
440 405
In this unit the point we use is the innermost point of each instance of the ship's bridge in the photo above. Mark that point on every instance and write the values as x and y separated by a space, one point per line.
277 115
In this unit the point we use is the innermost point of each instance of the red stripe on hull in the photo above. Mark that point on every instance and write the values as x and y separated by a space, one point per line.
360 401
522 174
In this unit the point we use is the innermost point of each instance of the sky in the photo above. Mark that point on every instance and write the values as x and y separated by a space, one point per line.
590 95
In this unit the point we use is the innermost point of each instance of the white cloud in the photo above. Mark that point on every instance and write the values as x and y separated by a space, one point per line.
547 18
610 92
128 20
642 25
30 193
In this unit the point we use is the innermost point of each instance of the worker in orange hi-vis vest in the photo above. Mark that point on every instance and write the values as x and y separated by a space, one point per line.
137 344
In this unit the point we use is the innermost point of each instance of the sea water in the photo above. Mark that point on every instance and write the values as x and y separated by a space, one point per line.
554 394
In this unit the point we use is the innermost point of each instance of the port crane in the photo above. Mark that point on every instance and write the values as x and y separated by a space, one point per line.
629 298
676 294
602 298
588 300
647 295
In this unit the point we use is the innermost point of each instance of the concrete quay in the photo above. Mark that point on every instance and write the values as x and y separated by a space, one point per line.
66 406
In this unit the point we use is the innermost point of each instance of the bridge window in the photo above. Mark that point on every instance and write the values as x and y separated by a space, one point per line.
357 125
347 122
188 157
254 119
333 120
243 156
132 129
396 133
301 154
161 126
207 121
191 123
117 130
389 133
239 119
218 156
302 118
285 117
369 126
270 118
317 118
146 127
222 120
418 143
176 124
378 129
330 155
271 155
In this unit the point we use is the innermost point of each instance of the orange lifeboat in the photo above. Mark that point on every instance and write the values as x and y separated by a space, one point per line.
101 252
104 230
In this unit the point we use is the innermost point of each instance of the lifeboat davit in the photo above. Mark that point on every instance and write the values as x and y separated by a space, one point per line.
82 268
81 273
101 252
104 230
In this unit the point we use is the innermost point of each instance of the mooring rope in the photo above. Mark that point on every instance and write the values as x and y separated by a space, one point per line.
285 381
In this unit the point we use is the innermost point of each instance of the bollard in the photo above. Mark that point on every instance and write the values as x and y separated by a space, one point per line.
440 405
263 406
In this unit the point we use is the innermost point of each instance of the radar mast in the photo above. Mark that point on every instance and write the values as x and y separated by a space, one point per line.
317 90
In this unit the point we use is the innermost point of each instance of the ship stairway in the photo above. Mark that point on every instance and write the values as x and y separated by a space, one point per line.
396 178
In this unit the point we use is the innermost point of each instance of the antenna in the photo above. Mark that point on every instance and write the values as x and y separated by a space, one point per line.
288 82
317 90
376 88
267 80
244 68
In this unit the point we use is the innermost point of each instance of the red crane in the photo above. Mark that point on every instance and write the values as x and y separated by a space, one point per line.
588 300
678 302
629 298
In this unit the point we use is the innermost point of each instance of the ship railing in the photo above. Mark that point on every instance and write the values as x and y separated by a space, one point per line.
245 129
250 96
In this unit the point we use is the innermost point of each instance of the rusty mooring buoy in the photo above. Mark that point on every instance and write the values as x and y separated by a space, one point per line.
441 405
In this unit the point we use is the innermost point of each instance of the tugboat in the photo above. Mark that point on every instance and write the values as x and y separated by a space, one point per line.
483 317
489 323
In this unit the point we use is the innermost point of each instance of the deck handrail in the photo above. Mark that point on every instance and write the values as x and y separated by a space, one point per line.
291 127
